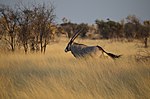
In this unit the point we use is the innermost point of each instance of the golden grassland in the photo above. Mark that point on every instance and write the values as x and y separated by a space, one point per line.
58 75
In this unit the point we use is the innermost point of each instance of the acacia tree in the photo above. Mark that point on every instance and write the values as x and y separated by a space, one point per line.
102 28
85 28
129 30
133 24
71 28
44 18
1 28
24 35
30 27
35 26
9 23
146 32
109 29
114 28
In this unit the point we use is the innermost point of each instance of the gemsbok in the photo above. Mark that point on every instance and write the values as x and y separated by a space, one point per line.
81 50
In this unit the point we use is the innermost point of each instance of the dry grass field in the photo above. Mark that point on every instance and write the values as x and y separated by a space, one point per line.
58 75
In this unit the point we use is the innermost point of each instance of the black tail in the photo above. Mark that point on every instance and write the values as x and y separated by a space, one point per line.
109 54
113 56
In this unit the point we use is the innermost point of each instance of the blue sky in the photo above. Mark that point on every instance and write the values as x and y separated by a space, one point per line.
88 11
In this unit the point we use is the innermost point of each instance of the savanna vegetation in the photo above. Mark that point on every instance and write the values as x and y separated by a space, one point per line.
57 75
25 73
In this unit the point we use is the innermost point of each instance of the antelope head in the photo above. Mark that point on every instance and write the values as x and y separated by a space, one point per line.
68 48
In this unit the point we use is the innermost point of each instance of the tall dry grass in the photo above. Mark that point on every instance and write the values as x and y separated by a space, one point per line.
58 75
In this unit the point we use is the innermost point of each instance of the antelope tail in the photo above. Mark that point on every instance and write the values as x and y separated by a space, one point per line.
109 54
113 55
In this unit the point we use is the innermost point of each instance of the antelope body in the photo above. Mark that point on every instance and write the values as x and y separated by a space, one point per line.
81 50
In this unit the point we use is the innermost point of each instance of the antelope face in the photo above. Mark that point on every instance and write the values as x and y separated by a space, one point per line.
68 48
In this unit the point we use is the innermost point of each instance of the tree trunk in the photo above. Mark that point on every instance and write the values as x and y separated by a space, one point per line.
36 44
25 47
145 42
41 44
44 46
12 44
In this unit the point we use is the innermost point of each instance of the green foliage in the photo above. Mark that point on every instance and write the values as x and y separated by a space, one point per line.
132 29
109 29
71 28
84 28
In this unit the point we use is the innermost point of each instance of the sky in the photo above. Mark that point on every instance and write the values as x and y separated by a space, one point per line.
87 11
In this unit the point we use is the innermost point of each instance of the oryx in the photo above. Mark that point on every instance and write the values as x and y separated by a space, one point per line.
81 50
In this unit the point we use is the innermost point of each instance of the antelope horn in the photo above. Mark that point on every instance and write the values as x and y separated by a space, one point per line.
75 35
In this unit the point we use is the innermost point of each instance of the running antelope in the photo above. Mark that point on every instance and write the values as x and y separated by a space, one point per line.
81 50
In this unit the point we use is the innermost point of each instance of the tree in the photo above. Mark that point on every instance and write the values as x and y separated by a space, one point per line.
134 24
30 27
129 30
146 32
109 29
102 28
24 35
9 18
114 28
132 19
44 18
85 28
69 27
